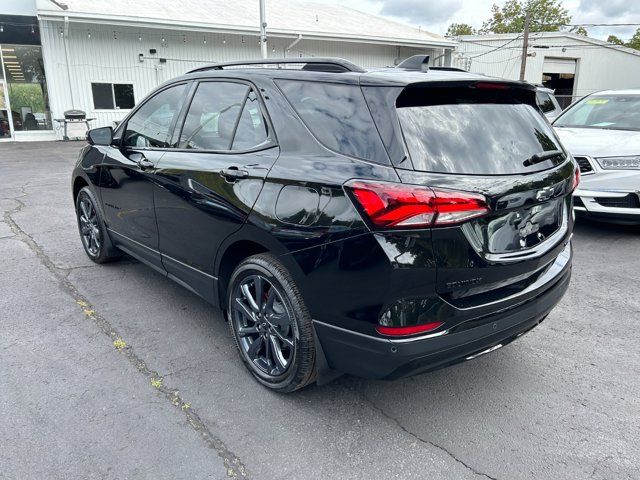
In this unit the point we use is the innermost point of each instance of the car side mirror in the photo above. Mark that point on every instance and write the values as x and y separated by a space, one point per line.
100 136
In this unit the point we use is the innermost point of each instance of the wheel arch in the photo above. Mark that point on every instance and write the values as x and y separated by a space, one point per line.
249 240
78 184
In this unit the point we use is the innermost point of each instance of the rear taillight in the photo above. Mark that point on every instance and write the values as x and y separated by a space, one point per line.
576 179
396 205
408 330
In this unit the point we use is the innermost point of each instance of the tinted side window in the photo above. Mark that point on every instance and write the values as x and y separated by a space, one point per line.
338 116
213 115
252 128
544 102
150 125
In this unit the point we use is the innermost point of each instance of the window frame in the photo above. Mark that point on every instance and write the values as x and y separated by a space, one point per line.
122 128
272 140
113 96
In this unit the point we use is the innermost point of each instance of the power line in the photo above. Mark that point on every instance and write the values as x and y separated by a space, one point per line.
498 48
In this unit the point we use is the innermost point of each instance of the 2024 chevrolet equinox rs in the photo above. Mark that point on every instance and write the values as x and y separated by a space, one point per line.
379 223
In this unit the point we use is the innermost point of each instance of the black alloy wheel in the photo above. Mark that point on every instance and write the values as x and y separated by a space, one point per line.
89 229
271 324
263 325
93 233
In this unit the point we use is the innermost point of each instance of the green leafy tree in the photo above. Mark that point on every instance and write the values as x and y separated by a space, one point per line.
581 31
615 40
545 16
634 42
26 95
457 29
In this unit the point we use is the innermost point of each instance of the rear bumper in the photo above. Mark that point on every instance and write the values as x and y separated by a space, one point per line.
367 356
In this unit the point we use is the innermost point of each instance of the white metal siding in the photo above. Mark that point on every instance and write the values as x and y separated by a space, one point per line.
597 67
103 58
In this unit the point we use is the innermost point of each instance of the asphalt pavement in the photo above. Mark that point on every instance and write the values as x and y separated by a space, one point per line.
115 372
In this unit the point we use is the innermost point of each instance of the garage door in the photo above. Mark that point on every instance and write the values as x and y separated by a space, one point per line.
559 65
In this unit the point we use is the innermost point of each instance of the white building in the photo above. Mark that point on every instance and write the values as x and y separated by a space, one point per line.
573 65
103 56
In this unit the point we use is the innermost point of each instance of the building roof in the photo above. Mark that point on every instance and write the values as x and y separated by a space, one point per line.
573 38
284 18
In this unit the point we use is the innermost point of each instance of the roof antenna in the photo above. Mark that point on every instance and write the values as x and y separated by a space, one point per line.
416 63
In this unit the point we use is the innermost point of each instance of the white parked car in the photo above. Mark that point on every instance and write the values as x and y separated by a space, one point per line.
602 132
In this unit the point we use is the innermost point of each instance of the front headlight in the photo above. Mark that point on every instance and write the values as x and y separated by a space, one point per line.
620 163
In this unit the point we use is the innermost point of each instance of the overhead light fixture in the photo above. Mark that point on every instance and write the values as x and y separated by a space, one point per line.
139 37
10 56
8 50
88 33
12 63
33 30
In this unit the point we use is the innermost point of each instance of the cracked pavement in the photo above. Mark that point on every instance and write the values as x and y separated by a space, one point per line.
115 372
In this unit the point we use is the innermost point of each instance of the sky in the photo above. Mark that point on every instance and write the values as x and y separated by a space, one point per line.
436 15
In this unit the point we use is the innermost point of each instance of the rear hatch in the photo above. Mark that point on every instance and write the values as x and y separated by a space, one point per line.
489 140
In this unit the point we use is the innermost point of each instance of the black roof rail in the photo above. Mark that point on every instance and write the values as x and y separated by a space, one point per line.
316 64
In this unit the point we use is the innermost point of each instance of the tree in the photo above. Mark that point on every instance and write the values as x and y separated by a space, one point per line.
634 42
615 40
581 31
545 16
457 29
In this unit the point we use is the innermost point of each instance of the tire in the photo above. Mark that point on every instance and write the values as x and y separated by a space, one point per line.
279 317
93 232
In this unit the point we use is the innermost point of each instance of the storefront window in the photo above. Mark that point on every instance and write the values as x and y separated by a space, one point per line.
26 87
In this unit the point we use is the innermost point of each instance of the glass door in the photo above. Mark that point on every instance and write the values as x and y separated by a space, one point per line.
5 126
5 119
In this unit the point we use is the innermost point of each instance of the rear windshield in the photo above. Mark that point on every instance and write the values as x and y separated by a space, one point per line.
472 134
614 112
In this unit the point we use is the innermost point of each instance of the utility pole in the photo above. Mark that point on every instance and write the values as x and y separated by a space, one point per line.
263 30
525 45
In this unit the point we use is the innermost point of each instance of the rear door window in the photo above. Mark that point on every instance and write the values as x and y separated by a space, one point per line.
252 129
213 115
338 117
468 133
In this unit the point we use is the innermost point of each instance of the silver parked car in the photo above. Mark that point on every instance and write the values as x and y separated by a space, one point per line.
547 102
602 132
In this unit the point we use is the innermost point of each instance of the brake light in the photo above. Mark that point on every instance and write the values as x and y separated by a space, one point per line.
492 86
576 180
408 330
397 205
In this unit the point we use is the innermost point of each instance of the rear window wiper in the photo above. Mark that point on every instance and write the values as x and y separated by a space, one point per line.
542 156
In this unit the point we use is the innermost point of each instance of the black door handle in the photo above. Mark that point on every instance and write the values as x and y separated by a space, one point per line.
232 174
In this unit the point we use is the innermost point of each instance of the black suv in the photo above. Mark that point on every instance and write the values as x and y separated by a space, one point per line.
379 223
